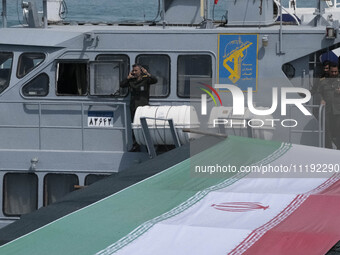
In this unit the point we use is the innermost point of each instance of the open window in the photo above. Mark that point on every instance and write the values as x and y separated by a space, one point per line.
158 66
192 71
72 79
27 62
6 59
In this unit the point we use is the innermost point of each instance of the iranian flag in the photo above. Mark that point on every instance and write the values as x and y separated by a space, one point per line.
282 199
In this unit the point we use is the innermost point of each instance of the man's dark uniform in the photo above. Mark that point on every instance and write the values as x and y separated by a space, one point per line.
140 91
316 87
315 92
328 93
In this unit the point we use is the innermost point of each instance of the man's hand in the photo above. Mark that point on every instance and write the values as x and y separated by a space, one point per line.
144 71
130 76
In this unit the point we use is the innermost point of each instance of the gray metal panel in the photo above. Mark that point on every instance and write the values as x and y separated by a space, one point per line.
250 12
60 139
182 12
69 161
104 140
36 37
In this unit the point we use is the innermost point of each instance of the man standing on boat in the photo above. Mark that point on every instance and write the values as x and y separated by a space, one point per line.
315 91
330 96
325 74
138 82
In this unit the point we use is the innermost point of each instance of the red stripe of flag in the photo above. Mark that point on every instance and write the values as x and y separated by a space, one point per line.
312 229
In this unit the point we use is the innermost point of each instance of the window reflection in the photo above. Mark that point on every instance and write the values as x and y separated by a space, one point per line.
29 61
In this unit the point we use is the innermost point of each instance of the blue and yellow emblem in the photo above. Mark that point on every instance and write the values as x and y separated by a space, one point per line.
237 60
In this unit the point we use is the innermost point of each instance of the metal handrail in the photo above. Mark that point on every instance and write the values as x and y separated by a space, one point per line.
330 3
82 127
321 125
288 12
147 135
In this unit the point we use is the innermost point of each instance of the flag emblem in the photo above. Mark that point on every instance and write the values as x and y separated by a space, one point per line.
239 206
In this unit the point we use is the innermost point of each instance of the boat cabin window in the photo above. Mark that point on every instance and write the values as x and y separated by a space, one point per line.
92 178
6 60
20 193
159 66
289 70
71 79
124 59
192 72
57 186
107 72
38 87
27 62
104 77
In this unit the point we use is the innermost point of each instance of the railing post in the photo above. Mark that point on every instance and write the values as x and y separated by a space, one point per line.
45 12
39 106
221 128
4 13
147 137
249 130
322 126
174 133
82 127
126 124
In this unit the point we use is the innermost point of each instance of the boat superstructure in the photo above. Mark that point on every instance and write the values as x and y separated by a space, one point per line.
63 124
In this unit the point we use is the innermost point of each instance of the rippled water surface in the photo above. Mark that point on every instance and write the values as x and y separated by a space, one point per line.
115 10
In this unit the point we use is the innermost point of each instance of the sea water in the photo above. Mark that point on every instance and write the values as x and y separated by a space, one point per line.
115 10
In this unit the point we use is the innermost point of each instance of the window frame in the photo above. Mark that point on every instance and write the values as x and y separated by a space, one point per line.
19 61
45 192
30 81
97 59
11 70
169 71
71 61
102 176
192 54
92 80
4 192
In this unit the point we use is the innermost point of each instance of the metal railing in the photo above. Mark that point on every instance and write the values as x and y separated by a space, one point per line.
222 130
148 138
82 109
321 125
292 4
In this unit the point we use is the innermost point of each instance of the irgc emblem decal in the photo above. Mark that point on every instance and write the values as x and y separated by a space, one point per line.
238 61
